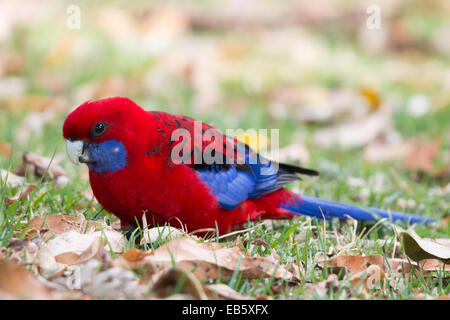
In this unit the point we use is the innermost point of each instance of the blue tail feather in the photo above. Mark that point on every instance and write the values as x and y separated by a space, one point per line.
320 209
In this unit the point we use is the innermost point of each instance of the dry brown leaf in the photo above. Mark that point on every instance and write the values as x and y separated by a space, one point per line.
357 264
399 266
371 278
222 291
205 260
416 154
324 286
47 265
49 225
72 240
354 264
5 149
20 195
165 281
18 283
135 255
422 155
21 250
433 265
39 166
71 258
71 247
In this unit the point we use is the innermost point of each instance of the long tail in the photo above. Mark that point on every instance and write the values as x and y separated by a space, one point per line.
321 209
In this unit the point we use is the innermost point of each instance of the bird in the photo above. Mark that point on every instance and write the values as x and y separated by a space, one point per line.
168 168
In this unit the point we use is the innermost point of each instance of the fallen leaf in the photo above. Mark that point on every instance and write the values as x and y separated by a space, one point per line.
11 179
48 225
135 255
167 280
419 249
323 287
416 154
18 283
108 283
160 233
400 266
72 240
206 260
371 278
22 250
222 291
47 265
433 265
422 156
356 264
72 247
39 165
20 195
372 96
5 149
73 258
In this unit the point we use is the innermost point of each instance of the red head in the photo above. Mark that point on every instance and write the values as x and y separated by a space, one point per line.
106 134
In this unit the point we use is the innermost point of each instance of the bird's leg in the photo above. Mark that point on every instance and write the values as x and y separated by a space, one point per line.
126 227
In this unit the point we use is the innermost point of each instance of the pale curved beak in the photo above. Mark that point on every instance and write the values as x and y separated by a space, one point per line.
74 150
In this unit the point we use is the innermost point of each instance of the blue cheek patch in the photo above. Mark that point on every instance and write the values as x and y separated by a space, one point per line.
109 156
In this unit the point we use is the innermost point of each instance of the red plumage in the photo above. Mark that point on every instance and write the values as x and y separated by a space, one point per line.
150 182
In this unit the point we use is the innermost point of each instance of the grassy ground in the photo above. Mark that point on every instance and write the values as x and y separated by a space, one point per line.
58 75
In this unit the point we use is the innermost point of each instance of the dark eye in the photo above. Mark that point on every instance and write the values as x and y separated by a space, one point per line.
98 129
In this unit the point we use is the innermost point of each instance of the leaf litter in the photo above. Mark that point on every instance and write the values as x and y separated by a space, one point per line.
71 256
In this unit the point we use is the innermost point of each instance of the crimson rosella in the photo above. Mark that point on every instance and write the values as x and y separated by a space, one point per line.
133 171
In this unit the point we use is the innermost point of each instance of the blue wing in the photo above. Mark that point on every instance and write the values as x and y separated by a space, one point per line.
235 183
229 185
